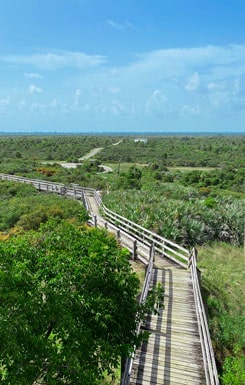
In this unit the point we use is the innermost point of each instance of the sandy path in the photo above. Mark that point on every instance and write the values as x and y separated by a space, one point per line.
91 153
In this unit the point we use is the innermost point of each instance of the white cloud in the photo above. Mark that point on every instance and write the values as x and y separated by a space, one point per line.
210 61
118 108
120 26
38 108
220 99
115 25
21 104
193 82
225 95
157 83
211 86
86 107
190 110
78 92
54 61
34 89
157 103
76 102
32 75
54 103
236 86
4 103
114 90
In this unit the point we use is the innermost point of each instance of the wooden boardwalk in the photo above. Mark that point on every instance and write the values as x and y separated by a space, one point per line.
172 354
179 349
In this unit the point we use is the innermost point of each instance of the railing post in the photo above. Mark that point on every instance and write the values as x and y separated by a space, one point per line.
95 221
190 260
118 236
192 254
123 365
152 253
134 249
163 248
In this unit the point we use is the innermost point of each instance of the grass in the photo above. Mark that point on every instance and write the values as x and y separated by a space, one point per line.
123 166
223 282
186 169
139 269
223 268
108 380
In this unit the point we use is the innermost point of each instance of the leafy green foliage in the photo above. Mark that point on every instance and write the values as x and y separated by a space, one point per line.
181 214
68 306
234 371
23 206
130 179
219 179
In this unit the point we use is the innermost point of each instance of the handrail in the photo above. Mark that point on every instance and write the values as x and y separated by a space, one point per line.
129 361
162 245
206 343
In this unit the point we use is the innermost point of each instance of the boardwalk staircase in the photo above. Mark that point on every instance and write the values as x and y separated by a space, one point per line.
179 349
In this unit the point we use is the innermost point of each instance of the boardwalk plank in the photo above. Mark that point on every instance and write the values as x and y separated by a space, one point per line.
172 355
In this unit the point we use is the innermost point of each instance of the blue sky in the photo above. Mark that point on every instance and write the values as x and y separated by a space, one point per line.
113 66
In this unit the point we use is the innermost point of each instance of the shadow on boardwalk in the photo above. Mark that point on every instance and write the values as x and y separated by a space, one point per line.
166 274
172 355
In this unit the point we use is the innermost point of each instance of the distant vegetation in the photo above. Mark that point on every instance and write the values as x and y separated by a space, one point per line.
191 151
188 189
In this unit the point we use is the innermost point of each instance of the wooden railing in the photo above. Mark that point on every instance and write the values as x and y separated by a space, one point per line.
162 246
206 343
125 380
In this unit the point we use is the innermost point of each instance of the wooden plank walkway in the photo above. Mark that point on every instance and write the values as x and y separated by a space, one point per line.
172 355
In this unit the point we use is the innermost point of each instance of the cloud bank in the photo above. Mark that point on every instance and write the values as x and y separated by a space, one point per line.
56 60
165 85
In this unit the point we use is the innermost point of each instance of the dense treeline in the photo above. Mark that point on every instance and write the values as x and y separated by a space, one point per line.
63 147
197 151
31 156
192 151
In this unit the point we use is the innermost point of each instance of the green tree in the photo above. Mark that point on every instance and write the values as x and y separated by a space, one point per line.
130 179
68 306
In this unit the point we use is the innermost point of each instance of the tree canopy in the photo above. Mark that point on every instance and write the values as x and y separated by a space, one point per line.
68 306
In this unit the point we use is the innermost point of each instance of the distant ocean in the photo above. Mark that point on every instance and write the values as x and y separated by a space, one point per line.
136 133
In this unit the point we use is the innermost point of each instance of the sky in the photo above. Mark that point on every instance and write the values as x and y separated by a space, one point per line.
110 66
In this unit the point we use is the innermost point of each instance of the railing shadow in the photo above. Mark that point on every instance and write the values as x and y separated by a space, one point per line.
159 334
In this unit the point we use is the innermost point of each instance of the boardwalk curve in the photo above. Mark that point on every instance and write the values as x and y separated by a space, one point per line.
179 349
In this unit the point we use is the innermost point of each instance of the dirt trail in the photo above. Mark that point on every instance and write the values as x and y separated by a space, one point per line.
91 153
